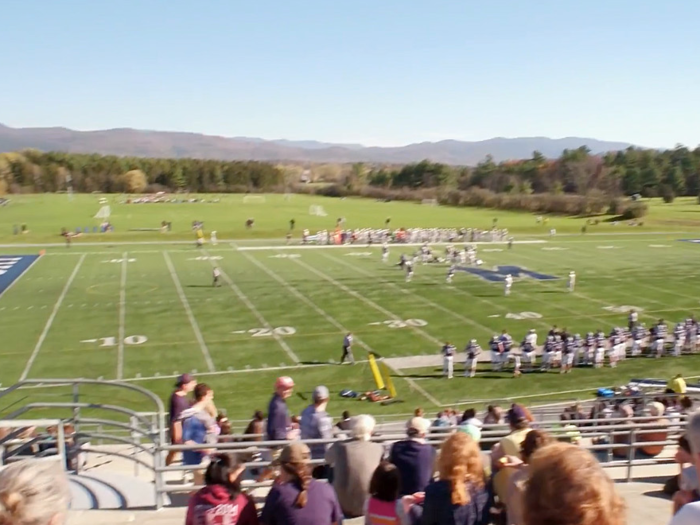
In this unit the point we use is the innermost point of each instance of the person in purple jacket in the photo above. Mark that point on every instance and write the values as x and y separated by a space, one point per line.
278 420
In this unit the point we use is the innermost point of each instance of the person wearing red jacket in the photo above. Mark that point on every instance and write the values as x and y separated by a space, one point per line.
221 500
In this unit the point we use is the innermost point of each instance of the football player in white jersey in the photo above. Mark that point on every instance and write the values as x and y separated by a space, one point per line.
472 350
572 281
408 265
678 339
508 284
385 252
450 274
448 360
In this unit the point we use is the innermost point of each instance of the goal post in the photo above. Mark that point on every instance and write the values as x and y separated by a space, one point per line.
254 199
317 211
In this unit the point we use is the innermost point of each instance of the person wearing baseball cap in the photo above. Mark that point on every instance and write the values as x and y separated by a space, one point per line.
297 497
519 420
179 402
278 419
414 457
317 424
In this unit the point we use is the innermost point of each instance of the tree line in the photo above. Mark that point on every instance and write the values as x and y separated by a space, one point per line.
650 173
575 183
31 171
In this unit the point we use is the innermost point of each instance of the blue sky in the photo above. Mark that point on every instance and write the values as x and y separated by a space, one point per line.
378 72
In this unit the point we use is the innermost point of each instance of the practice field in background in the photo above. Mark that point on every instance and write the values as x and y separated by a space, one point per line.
146 314
45 215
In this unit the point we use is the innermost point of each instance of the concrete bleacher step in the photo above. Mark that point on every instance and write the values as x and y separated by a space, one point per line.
106 490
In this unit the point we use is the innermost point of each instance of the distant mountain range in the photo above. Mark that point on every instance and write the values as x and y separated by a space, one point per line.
133 142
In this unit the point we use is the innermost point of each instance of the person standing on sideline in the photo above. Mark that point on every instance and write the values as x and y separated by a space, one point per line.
179 402
216 274
317 424
632 319
448 360
347 349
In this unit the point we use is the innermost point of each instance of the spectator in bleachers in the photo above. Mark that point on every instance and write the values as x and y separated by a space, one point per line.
385 505
199 428
33 492
684 486
278 419
567 486
442 420
519 423
221 500
494 415
179 402
534 440
317 424
689 513
469 418
256 428
344 424
353 463
460 496
413 457
297 498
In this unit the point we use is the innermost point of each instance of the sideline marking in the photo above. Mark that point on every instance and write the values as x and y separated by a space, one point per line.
45 332
190 315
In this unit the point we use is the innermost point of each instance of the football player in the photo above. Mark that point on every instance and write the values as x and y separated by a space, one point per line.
568 355
496 351
660 337
450 274
473 350
678 339
408 265
528 349
572 281
599 356
508 284
385 252
548 353
448 360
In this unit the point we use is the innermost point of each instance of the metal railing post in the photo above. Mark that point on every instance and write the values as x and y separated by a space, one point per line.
632 453
76 410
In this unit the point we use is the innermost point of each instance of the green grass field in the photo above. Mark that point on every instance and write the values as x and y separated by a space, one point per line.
45 215
147 312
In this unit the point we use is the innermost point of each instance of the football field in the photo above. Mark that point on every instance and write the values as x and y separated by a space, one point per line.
146 313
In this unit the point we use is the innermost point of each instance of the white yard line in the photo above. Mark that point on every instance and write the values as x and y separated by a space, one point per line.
20 276
585 297
339 326
122 318
190 315
425 300
45 332
256 313
386 312
365 300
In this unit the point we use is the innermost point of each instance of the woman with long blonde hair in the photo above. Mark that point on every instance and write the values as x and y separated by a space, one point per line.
460 496
567 486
